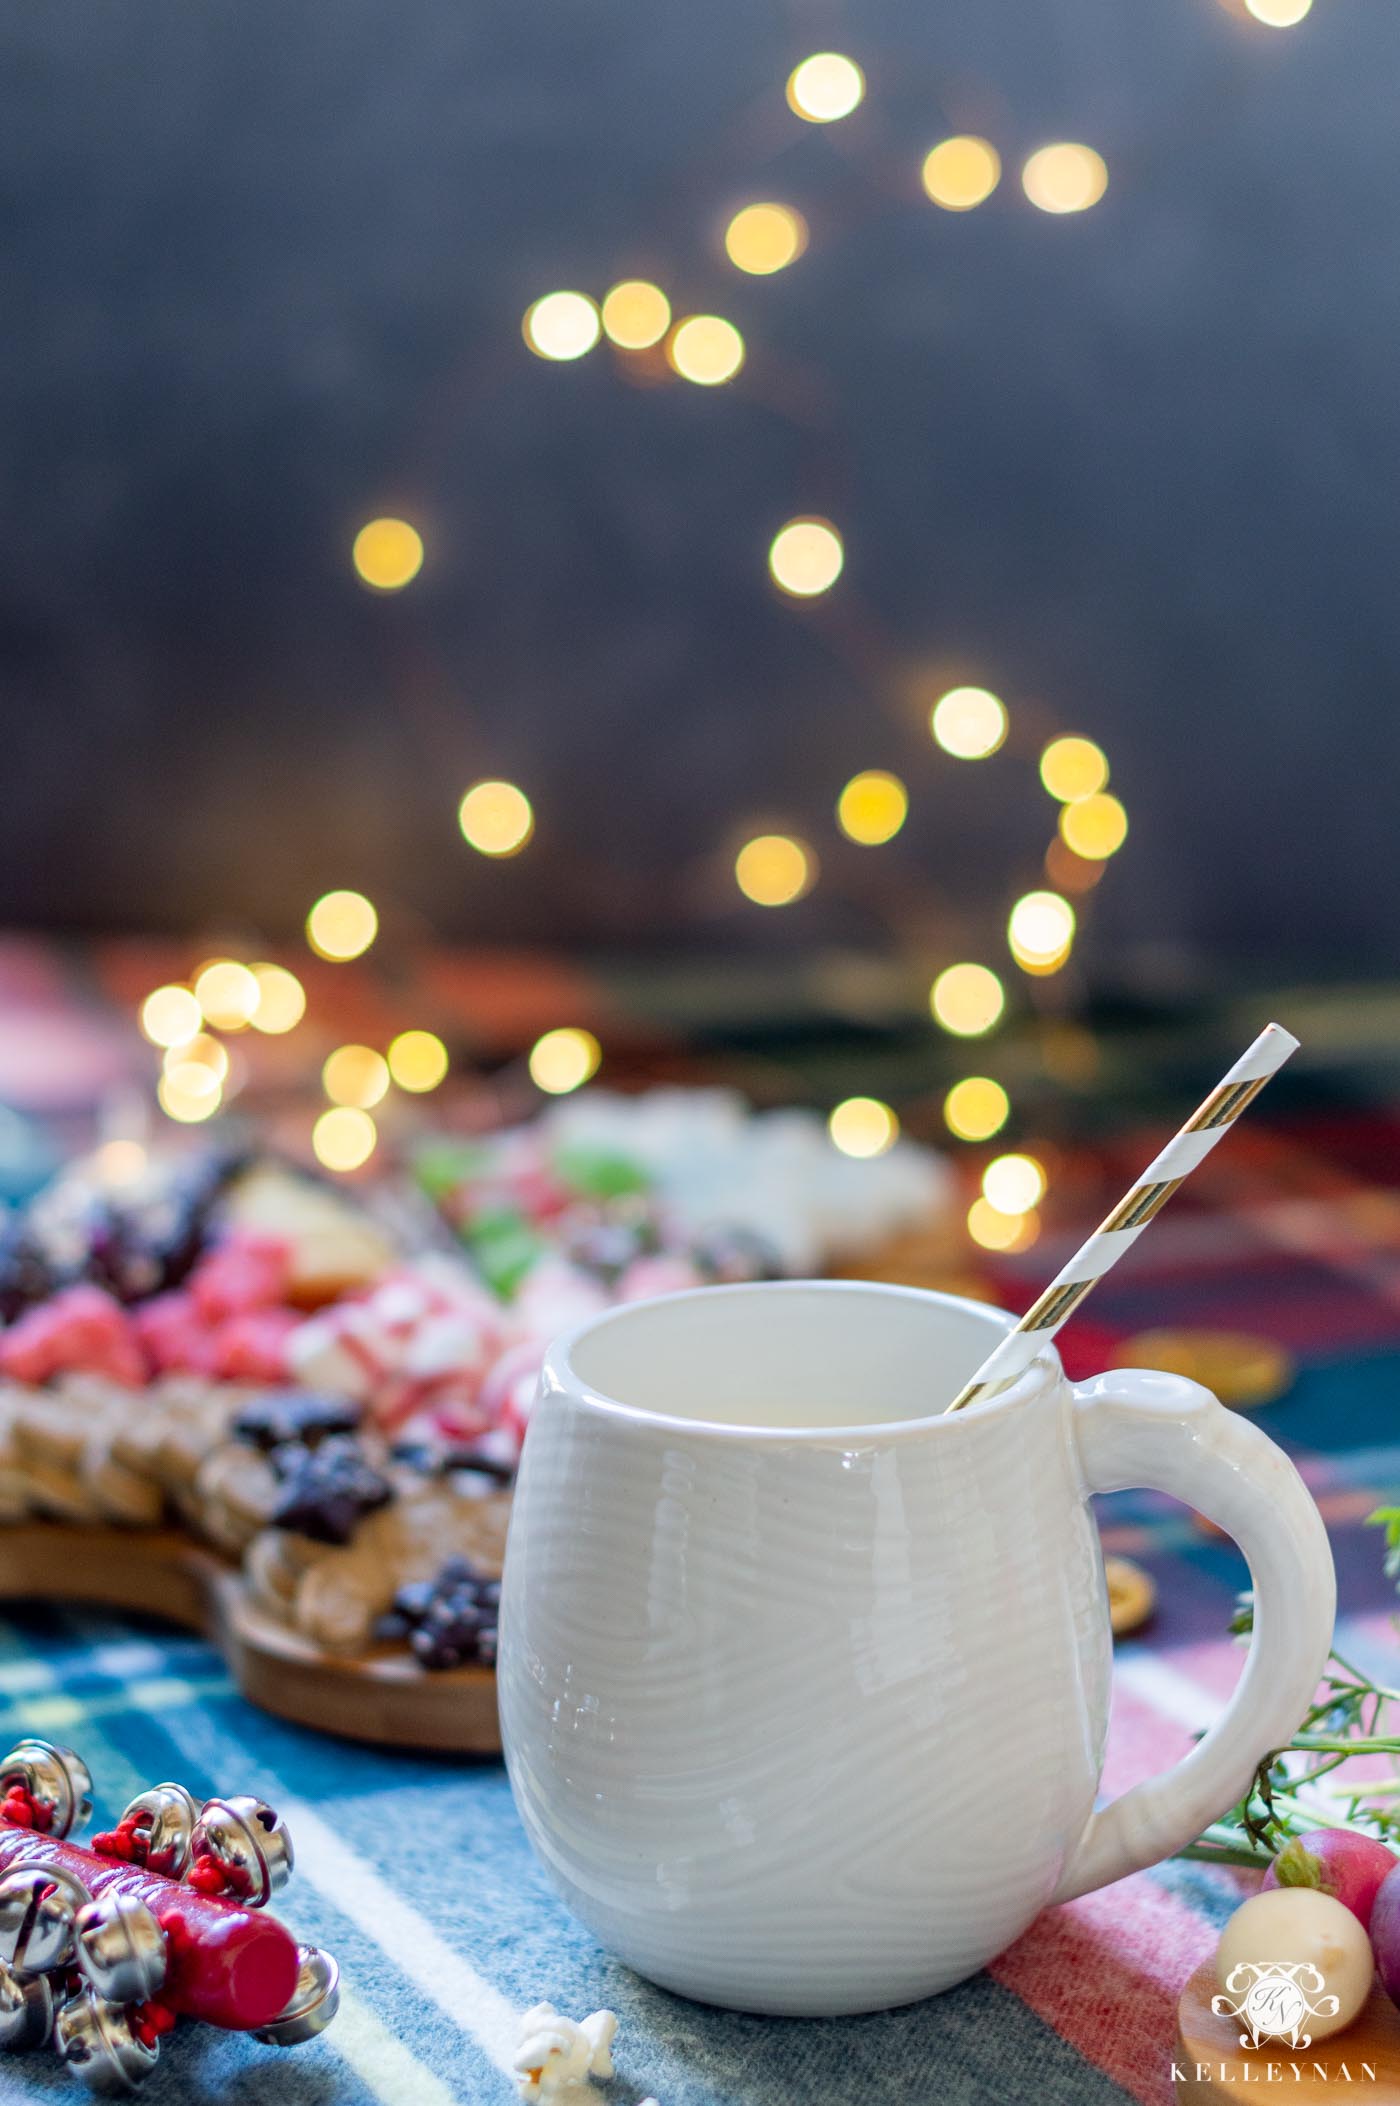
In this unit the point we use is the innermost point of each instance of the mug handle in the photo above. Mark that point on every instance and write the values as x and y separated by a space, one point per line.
1137 1428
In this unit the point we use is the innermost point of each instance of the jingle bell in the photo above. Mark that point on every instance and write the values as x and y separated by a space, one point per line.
39 1906
248 1842
56 1779
312 2004
26 2012
99 2044
165 1816
121 1948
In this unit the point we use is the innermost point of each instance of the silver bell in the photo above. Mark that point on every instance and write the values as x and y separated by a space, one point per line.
99 2044
249 1843
121 1948
166 1815
312 2004
39 1905
56 1778
26 2012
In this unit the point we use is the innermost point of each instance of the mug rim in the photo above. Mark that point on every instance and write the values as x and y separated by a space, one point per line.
558 1373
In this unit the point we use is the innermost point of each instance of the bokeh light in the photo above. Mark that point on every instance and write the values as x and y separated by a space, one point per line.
976 1108
563 1060
341 925
200 1051
496 818
872 807
961 172
636 314
1094 827
388 554
417 1060
355 1075
1013 1184
1040 931
1073 767
189 1093
994 1230
762 239
562 325
1068 872
967 1000
705 349
806 557
1065 177
344 1138
120 1162
968 722
863 1126
1279 14
825 87
227 994
170 1015
773 870
281 999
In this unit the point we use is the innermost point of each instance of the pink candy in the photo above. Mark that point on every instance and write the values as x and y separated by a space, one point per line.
81 1328
415 1347
247 1272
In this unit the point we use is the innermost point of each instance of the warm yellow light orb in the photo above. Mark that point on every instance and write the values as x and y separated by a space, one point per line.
825 87
281 999
355 1075
1068 872
341 925
496 818
201 1051
170 1015
863 1126
1094 827
705 349
762 239
1065 177
961 172
388 554
227 994
562 1060
872 807
806 557
773 870
1073 767
994 1230
344 1138
968 722
561 325
1279 14
1040 928
967 1000
189 1094
636 314
976 1108
1013 1184
417 1060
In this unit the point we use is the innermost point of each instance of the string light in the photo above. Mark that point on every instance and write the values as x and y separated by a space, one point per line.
189 1094
281 999
1013 1184
120 1162
388 554
636 314
961 173
705 349
1065 177
976 1108
344 1138
773 870
872 807
1068 872
1040 931
807 557
341 925
1279 14
227 995
170 1015
825 87
863 1127
496 818
994 1230
1094 827
417 1060
968 722
762 239
1073 767
563 1060
355 1075
967 1000
201 1051
561 325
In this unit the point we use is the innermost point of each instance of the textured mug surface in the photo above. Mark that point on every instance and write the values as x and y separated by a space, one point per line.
804 1691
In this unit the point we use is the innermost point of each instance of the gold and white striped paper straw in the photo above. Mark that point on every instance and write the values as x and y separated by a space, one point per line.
1131 1215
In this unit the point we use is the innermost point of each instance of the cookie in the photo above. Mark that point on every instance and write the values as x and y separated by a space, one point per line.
343 1595
236 1492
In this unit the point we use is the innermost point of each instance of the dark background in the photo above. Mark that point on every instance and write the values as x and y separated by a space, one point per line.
263 270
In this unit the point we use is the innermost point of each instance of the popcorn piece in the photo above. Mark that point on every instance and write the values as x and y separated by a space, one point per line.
557 2056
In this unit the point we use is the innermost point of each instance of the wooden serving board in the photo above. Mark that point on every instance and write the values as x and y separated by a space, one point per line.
384 1696
1211 2065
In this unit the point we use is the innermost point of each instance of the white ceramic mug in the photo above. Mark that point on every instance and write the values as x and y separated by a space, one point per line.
804 1691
